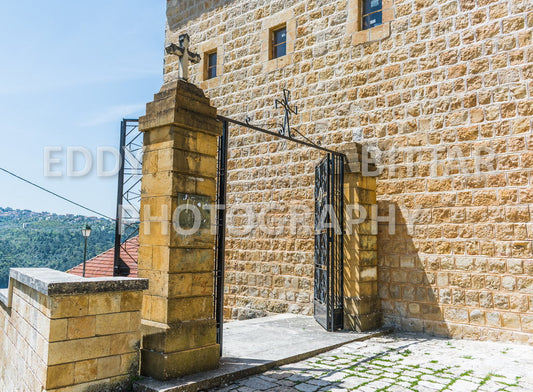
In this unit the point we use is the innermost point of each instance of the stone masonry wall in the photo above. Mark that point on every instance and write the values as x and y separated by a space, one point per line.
68 342
444 87
23 343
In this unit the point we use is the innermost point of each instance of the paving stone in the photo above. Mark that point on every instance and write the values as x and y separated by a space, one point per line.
409 373
318 382
298 378
335 376
257 383
366 389
434 379
430 386
245 389
268 378
352 382
463 386
379 384
396 388
287 383
384 364
305 387
388 381
277 375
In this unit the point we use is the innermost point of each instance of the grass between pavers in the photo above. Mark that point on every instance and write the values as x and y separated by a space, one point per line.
374 368
390 370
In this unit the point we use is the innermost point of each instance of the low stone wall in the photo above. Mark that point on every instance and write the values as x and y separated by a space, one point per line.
60 331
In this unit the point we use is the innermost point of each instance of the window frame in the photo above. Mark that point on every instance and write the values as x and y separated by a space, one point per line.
274 45
363 15
286 17
205 48
209 67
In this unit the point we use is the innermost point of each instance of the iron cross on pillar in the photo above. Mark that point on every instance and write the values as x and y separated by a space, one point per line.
285 103
184 54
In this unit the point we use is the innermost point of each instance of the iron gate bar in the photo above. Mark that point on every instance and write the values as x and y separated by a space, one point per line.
335 161
338 269
308 144
340 194
329 257
331 248
222 176
322 245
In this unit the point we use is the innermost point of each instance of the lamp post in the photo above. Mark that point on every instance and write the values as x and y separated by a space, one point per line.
85 233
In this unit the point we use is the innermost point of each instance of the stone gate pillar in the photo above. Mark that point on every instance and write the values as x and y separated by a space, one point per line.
361 299
179 175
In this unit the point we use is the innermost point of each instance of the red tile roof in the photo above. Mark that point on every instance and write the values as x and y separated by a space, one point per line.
102 265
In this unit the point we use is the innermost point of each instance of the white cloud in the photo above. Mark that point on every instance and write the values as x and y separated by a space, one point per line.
114 114
21 83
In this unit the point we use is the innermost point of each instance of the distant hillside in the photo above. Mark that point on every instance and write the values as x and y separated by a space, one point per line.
35 239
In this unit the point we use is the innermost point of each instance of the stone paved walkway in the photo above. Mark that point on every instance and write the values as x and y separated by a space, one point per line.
403 362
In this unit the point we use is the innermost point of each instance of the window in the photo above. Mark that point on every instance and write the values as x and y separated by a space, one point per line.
211 65
278 36
279 42
372 13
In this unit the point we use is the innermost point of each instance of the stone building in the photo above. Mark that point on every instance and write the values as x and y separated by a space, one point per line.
441 94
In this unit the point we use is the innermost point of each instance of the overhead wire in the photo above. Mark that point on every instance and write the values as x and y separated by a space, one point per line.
55 194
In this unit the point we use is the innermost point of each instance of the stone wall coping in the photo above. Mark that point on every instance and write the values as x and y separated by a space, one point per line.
51 282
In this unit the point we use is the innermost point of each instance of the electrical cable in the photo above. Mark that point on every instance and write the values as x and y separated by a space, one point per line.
55 194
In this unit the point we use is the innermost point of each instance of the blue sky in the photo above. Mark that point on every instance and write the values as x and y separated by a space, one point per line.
70 71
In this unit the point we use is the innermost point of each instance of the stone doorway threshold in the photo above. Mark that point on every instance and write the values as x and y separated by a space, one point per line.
256 345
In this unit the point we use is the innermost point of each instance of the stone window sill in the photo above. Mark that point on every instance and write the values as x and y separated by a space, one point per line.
374 34
353 27
210 83
280 62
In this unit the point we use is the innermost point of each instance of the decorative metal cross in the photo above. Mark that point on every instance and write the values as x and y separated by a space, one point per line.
285 103
185 55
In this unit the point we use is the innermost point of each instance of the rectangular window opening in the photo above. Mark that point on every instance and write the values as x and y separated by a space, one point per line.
372 13
211 65
279 42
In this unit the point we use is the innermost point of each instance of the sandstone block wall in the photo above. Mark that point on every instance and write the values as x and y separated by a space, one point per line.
361 301
443 94
58 333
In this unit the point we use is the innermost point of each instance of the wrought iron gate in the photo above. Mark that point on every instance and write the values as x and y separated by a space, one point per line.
329 206
328 257
222 174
